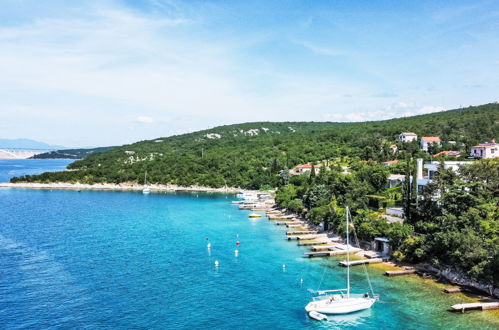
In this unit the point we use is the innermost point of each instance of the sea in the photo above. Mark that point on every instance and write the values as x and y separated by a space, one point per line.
124 260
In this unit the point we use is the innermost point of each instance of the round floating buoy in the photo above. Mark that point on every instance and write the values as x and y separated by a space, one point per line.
236 252
237 235
216 263
206 238
301 280
209 245
238 243
283 266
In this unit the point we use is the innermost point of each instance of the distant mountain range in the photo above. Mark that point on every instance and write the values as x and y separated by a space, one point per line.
27 144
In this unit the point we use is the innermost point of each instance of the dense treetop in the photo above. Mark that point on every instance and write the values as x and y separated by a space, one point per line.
251 155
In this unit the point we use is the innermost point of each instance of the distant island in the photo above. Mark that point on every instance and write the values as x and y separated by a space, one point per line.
70 153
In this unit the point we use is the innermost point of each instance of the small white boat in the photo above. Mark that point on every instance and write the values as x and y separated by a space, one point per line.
146 189
317 316
341 301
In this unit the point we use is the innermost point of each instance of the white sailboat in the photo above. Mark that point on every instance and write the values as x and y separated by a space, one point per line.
341 301
146 189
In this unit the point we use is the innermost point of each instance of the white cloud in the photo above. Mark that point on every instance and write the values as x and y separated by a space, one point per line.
144 119
395 110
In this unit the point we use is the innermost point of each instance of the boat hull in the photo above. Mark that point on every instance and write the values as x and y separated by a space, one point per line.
342 306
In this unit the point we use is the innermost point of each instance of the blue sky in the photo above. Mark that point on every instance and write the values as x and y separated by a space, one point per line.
110 72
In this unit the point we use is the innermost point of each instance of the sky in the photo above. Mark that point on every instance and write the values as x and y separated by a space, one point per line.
110 72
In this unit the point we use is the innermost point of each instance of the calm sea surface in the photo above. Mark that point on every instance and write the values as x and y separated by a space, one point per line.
116 260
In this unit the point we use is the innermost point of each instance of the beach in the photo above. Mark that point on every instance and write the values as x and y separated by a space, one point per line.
122 186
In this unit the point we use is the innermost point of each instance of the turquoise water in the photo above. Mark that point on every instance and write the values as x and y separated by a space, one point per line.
116 260
17 167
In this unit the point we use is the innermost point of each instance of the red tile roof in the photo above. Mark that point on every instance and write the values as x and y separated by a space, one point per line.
430 139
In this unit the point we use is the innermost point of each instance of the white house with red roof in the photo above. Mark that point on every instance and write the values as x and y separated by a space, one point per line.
407 137
426 141
304 168
485 150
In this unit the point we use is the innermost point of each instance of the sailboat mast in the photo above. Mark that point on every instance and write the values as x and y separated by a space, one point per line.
348 256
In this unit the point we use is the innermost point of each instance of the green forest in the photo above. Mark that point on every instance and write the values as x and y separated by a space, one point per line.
251 155
454 221
70 153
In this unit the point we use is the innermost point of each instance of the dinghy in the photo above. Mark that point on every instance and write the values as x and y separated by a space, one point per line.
317 316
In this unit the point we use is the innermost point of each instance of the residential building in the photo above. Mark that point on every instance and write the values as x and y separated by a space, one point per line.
432 169
304 168
407 137
485 150
394 180
394 148
426 141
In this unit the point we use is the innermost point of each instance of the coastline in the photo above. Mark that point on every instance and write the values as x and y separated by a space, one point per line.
122 186
445 277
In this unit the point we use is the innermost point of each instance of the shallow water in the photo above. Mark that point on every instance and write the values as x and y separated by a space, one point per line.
99 260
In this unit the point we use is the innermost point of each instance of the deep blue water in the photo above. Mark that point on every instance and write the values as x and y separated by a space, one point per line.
17 167
116 260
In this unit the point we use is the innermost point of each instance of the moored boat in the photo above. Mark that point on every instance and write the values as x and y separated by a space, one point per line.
341 301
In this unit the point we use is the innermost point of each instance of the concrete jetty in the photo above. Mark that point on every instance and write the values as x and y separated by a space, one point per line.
399 272
299 232
307 236
328 253
313 242
361 262
479 305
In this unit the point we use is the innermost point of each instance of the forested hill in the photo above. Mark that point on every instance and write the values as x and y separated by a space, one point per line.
251 155
70 153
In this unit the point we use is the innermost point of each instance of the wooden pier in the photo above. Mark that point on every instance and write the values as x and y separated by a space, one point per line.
479 305
314 242
452 290
323 247
361 262
399 272
285 223
329 253
299 232
309 236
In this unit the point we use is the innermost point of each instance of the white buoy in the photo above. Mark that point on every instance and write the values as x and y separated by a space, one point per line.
236 252
283 266
301 280
237 235
209 245
216 263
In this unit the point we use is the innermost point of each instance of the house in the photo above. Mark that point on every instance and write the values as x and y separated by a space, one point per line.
407 137
304 168
426 141
485 150
394 180
448 153
432 170
391 162
394 148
